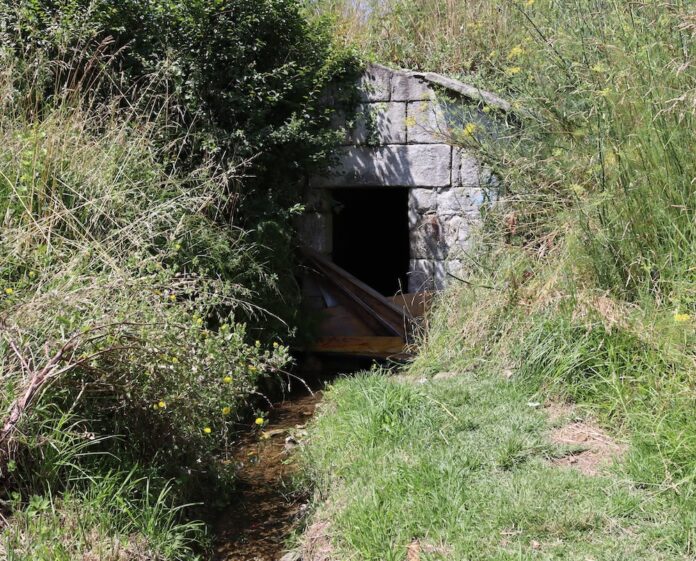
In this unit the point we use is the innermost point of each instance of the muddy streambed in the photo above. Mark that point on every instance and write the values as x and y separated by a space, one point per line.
265 510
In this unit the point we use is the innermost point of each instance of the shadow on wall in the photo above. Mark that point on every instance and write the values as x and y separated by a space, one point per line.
393 165
401 135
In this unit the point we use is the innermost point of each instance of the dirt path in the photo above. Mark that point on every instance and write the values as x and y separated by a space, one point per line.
265 510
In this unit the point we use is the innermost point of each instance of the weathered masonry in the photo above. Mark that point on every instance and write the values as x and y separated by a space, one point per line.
398 208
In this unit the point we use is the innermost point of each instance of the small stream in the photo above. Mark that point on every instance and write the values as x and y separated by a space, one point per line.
265 509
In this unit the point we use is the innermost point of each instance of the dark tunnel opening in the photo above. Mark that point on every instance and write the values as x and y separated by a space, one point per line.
371 236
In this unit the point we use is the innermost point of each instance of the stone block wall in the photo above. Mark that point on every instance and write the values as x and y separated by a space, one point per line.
400 136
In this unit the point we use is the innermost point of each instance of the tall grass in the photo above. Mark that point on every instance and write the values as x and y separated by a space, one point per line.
451 36
136 139
117 516
125 292
109 250
589 256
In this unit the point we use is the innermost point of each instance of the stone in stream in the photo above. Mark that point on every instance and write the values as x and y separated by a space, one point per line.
290 443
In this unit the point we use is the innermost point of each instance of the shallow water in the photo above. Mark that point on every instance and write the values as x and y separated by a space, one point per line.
265 509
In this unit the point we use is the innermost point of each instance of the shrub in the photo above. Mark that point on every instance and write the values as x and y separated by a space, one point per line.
125 271
150 150
243 79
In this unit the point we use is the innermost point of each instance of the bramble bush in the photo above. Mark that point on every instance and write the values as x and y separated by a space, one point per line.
108 252
243 78
138 200
137 196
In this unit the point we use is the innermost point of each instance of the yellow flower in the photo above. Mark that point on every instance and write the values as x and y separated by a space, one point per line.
172 297
32 274
259 421
177 246
198 321
207 430
512 70
681 318
227 379
162 404
470 129
9 291
175 360
578 189
486 109
529 3
257 343
515 52
252 368
275 345
226 410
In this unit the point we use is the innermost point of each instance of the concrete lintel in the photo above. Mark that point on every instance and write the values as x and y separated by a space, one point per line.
427 165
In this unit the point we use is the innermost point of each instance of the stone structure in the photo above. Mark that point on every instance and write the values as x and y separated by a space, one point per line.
401 136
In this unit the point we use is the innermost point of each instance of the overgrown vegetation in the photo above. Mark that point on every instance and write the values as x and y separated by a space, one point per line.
583 285
244 82
139 308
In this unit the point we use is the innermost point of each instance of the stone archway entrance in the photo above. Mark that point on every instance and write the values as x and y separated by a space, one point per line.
410 198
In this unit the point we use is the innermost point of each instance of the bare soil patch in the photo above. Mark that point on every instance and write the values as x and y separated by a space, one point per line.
316 543
590 449
419 550
560 412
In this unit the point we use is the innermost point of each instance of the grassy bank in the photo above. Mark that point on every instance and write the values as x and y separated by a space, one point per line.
582 285
464 468
140 310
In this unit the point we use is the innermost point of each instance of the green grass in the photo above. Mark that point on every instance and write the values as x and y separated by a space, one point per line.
68 499
115 516
463 466
581 288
